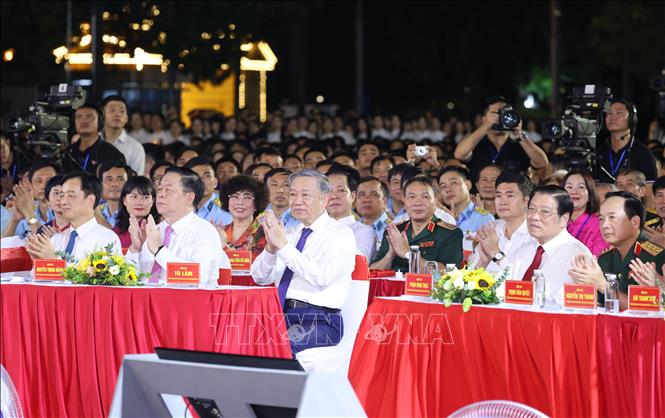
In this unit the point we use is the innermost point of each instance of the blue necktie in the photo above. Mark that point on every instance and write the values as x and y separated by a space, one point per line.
288 273
71 242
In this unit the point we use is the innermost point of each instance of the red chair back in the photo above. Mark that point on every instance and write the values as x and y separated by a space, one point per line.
15 259
361 271
224 277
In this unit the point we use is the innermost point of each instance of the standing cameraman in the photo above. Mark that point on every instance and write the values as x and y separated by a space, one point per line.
86 153
622 150
487 145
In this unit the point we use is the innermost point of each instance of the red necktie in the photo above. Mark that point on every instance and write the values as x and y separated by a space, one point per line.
535 264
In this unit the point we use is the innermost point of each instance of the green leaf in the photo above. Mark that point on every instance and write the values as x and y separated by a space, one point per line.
466 305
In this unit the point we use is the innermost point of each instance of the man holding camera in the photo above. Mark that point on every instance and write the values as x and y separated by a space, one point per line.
622 150
493 143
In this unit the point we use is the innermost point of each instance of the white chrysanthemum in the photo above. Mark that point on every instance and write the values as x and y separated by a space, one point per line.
447 285
114 270
471 285
458 283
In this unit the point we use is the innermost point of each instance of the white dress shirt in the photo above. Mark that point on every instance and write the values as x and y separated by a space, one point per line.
321 272
509 247
91 236
193 240
365 237
132 150
557 258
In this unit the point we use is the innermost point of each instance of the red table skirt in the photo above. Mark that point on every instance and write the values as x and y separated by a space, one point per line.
420 359
384 287
63 345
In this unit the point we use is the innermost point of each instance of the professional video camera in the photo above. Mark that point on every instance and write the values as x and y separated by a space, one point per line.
582 119
43 132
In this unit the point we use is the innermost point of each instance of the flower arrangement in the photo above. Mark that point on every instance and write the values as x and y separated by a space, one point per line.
468 287
103 267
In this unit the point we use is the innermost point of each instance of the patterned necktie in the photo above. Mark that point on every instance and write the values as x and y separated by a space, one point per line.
288 273
71 242
156 268
535 264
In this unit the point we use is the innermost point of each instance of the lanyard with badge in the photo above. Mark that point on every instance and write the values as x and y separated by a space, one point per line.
615 169
579 231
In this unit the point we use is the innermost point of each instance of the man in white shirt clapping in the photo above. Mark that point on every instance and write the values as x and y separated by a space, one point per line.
499 240
182 236
81 195
311 264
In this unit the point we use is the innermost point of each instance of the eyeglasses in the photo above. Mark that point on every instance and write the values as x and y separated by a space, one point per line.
138 197
543 213
241 197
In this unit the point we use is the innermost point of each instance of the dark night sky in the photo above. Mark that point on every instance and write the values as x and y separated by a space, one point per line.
418 55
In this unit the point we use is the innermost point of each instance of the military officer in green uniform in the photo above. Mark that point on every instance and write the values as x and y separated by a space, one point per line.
438 241
634 259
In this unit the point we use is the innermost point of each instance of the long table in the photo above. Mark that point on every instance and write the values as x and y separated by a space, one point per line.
63 345
417 358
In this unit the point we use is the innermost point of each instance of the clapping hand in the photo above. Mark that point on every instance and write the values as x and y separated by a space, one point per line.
585 271
221 232
46 231
488 242
274 231
645 274
24 201
152 235
137 232
398 241
40 247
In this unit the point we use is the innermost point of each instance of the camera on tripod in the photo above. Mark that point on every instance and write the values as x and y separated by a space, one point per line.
44 131
582 119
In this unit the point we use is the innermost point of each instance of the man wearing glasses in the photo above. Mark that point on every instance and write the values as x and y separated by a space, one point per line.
181 236
554 249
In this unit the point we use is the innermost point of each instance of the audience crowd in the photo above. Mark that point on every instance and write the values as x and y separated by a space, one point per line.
463 191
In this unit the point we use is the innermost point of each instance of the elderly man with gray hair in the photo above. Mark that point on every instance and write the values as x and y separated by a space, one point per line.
310 264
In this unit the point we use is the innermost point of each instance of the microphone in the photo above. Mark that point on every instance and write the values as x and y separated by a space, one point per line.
623 137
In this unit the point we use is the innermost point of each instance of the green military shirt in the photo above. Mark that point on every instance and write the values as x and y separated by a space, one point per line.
610 261
439 241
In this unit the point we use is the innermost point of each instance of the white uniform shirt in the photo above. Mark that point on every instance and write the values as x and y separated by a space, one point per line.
132 150
193 240
321 272
91 236
557 258
509 247
365 237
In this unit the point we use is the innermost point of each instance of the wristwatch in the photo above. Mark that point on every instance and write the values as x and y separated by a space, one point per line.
32 221
521 137
498 256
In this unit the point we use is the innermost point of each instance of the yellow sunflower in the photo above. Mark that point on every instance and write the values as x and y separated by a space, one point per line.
100 265
131 275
